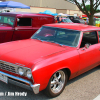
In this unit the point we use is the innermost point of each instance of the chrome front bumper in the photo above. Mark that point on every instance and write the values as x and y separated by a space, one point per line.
22 82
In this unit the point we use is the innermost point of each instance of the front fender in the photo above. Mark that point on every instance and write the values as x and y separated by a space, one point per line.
43 70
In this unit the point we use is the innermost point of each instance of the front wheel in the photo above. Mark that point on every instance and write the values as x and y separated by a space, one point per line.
57 83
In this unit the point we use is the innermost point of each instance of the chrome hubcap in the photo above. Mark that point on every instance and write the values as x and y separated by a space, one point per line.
57 81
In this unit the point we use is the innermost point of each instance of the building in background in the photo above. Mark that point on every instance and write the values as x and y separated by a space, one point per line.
2 0
55 6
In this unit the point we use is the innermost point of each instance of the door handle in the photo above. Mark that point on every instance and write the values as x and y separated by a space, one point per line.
16 29
83 49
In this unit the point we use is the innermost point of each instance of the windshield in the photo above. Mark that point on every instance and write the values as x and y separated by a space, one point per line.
58 35
7 20
67 20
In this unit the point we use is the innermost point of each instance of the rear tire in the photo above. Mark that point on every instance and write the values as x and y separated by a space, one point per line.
56 83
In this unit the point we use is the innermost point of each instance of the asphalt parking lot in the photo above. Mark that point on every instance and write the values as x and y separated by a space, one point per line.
83 87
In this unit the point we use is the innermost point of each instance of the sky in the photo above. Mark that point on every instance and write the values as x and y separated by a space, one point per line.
87 3
81 1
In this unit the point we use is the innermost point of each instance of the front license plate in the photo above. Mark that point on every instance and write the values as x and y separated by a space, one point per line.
3 78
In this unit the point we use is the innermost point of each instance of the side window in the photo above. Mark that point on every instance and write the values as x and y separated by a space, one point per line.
24 22
99 35
89 38
7 20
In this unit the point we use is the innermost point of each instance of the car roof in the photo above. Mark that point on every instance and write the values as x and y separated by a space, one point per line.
74 26
24 14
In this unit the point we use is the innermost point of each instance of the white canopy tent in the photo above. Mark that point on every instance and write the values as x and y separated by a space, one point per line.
97 14
61 14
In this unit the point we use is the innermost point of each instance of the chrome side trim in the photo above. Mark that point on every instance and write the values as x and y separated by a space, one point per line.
18 80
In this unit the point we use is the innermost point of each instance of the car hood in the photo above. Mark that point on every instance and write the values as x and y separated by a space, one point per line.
26 51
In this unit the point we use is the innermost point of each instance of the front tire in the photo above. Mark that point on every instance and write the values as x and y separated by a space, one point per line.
56 83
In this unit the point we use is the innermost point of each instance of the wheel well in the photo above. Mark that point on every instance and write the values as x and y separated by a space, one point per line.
67 71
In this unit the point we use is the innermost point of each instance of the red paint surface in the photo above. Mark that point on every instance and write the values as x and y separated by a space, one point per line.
12 33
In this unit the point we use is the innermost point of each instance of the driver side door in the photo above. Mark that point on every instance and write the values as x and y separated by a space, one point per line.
23 29
89 56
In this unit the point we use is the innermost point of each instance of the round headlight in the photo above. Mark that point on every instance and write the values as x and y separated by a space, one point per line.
29 74
21 71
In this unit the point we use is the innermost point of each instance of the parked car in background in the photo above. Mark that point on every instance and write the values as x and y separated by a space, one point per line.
55 54
63 20
21 25
66 20
76 19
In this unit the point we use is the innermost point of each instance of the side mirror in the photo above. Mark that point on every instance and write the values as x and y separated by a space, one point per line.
87 45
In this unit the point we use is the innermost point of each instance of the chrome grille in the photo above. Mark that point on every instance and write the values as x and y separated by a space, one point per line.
13 67
7 66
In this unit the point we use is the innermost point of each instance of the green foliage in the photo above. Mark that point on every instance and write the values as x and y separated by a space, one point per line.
87 7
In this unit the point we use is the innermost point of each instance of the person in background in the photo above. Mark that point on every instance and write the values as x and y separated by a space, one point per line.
72 19
80 17
87 20
60 20
94 19
57 18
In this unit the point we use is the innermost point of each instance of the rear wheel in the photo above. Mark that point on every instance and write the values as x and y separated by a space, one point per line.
57 83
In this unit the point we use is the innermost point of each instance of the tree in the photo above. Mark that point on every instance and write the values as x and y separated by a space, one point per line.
87 7
92 8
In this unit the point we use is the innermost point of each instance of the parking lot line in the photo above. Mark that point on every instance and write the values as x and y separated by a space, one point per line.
97 98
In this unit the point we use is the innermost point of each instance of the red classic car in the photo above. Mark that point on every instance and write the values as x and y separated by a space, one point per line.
55 54
21 25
